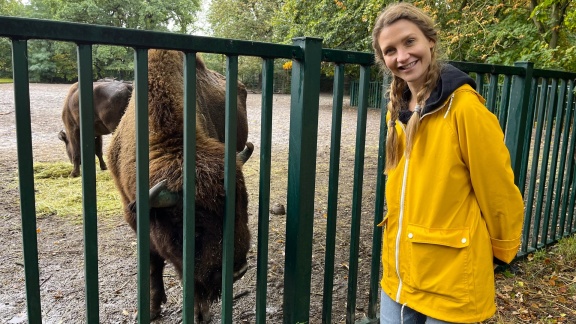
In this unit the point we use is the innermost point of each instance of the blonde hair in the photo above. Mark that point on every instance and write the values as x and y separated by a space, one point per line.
425 23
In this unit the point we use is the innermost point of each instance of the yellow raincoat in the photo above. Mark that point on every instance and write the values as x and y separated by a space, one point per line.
451 207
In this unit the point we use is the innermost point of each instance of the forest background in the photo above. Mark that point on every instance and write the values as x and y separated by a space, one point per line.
480 31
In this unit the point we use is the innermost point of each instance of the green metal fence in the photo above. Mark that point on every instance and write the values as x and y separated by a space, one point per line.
539 126
306 54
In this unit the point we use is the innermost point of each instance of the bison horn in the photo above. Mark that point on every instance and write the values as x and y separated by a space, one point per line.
246 153
240 272
160 197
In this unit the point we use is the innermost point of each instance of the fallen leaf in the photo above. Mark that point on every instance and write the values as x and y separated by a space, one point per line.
507 289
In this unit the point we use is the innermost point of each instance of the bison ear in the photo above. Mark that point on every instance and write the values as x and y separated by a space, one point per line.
62 136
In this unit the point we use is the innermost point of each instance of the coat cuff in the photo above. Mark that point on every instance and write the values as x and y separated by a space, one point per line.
505 250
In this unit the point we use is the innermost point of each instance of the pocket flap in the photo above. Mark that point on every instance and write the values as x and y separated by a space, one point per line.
383 222
452 237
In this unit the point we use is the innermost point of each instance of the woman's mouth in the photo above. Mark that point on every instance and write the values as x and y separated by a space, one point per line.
407 66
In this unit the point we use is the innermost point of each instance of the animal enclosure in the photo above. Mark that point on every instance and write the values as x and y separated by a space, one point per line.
539 127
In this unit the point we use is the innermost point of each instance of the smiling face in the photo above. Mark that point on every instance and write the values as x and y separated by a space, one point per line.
406 52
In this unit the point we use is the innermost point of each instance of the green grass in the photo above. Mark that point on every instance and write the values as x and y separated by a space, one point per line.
6 80
566 247
57 194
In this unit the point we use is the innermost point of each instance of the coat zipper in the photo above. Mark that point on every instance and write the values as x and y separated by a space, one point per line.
402 201
400 220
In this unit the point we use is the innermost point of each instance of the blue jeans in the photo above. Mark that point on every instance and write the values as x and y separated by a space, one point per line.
393 313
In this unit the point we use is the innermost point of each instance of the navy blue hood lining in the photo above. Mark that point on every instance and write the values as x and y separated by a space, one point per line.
450 79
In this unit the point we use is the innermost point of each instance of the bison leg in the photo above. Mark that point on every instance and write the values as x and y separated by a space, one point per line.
157 293
76 171
202 309
98 149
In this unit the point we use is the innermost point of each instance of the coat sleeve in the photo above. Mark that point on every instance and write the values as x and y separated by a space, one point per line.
488 159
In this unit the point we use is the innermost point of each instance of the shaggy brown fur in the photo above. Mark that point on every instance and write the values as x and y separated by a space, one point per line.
166 162
210 94
110 101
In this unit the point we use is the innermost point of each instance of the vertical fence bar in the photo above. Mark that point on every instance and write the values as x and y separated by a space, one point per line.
529 126
480 83
357 193
229 186
264 190
516 133
301 180
504 101
532 193
332 208
189 221
26 178
549 169
540 110
562 122
88 181
378 214
570 167
492 91
142 183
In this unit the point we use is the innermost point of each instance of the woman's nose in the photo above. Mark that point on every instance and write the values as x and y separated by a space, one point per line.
403 55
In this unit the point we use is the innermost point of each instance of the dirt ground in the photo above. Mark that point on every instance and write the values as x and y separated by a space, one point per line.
61 241
524 295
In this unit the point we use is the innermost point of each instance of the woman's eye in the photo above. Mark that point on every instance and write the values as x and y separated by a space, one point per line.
409 41
388 51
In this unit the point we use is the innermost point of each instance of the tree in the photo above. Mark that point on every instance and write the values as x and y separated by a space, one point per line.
245 20
341 24
56 61
503 32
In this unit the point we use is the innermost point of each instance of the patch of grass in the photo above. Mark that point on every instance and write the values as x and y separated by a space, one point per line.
566 247
57 194
6 80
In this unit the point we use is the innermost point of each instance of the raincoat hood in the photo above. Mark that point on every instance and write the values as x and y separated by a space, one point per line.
450 79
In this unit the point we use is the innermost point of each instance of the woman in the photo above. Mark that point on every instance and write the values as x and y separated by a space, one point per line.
452 203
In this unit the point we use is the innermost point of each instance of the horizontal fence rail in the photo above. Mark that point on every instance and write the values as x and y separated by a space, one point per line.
535 108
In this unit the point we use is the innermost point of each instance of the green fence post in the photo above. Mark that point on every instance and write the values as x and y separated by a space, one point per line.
305 92
88 181
229 187
357 193
26 178
142 182
264 190
516 127
189 220
374 293
332 207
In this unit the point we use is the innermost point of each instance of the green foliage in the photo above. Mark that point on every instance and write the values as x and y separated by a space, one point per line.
341 24
243 19
503 32
56 61
488 31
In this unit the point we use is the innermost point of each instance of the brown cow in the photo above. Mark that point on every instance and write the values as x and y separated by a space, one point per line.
165 109
110 101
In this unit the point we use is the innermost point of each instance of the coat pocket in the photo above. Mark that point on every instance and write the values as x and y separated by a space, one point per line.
439 261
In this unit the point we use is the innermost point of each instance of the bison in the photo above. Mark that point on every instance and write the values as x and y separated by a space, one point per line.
165 118
110 101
